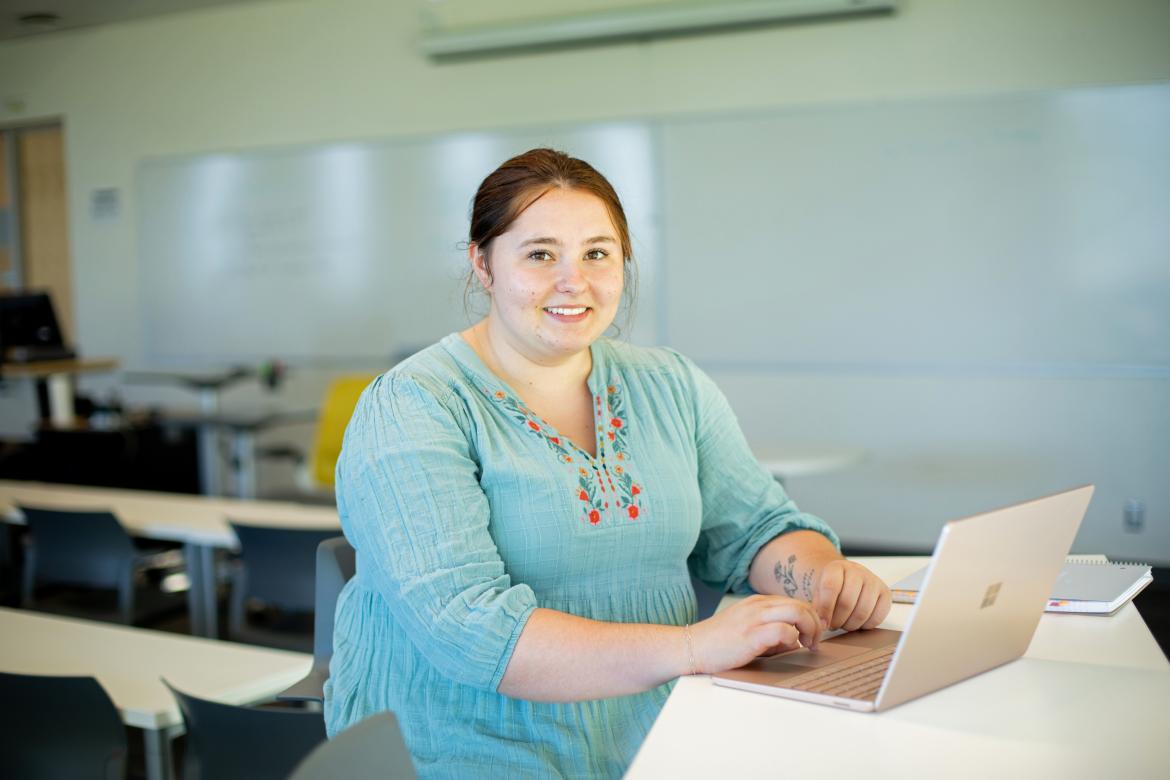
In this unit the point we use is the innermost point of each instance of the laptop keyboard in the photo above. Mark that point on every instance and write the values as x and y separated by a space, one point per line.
858 677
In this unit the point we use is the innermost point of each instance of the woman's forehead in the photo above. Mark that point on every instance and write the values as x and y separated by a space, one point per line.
562 209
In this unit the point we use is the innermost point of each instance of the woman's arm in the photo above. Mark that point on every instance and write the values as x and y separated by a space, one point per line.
805 565
562 657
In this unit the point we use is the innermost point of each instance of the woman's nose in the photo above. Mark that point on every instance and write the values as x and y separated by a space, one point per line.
571 278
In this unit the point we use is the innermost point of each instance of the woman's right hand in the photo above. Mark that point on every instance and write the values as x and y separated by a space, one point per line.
756 626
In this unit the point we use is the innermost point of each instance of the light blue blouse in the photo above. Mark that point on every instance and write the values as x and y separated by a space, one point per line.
468 511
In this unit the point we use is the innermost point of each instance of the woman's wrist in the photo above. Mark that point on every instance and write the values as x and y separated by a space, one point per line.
692 660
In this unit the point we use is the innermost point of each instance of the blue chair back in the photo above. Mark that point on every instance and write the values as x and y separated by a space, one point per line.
336 565
279 564
64 727
79 548
371 749
226 742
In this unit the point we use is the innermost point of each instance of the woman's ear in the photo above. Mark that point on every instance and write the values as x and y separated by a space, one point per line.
479 265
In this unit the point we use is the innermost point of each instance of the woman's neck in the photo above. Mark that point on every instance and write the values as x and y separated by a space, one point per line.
521 372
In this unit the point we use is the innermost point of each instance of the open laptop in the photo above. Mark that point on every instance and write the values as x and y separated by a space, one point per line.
29 331
984 592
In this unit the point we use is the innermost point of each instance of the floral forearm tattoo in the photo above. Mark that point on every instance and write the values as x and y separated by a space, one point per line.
786 575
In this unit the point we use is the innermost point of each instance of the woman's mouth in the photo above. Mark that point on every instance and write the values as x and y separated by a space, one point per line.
567 313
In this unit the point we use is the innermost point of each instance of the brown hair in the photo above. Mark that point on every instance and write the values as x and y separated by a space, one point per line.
519 182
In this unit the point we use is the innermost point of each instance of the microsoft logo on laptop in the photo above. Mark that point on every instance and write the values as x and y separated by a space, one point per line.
991 594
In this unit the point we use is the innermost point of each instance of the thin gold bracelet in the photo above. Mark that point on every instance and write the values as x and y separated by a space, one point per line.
690 648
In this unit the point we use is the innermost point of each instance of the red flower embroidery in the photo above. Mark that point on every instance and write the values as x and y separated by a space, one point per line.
533 426
594 517
610 434
554 439
633 512
615 422
583 496
635 490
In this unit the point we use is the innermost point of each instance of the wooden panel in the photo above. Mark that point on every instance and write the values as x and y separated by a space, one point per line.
44 219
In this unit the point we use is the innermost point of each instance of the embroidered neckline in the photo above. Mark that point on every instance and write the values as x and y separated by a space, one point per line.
606 489
604 483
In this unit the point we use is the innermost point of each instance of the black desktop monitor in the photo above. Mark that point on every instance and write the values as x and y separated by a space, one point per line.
29 329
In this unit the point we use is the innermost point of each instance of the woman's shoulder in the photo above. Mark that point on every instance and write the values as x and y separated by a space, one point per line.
656 360
433 374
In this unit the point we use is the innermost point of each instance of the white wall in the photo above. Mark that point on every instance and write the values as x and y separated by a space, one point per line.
304 71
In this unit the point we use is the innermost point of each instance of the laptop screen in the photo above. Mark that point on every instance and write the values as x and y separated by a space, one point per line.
27 321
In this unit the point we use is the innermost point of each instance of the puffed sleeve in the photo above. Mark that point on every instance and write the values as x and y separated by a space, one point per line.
411 504
744 508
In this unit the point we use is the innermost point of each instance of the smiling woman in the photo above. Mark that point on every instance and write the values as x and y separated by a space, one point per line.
528 500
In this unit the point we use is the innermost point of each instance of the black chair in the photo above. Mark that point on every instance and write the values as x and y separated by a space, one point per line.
89 549
59 727
276 567
226 742
372 749
335 566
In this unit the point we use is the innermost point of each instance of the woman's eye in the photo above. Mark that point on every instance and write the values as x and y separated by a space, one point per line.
539 254
596 254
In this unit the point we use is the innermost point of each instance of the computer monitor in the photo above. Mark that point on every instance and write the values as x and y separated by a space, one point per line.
29 329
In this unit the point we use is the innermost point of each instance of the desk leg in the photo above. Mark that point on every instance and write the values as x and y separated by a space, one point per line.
210 591
158 754
209 475
195 589
60 400
202 597
245 463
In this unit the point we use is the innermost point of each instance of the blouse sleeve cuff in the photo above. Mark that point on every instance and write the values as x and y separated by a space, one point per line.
738 583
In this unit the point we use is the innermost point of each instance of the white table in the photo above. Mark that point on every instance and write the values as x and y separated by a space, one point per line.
1089 699
129 663
58 377
199 522
786 464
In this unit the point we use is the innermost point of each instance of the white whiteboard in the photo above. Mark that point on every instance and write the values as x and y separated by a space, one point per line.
1012 232
1003 232
347 250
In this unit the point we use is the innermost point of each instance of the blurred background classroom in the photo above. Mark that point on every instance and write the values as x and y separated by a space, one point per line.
923 246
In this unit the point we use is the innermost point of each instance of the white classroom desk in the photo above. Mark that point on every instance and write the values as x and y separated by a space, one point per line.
1090 699
783 465
130 663
199 522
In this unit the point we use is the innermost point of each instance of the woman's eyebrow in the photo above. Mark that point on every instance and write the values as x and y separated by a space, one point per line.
557 242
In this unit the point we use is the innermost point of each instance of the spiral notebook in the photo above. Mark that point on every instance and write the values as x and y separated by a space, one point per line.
1094 587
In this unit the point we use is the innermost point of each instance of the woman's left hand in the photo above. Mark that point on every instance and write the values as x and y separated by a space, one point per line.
850 596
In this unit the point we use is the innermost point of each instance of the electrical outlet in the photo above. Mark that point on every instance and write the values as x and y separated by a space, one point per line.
1134 516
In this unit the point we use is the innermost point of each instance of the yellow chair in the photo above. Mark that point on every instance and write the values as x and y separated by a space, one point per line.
314 472
336 409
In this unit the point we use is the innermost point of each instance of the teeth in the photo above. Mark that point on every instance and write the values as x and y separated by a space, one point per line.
566 310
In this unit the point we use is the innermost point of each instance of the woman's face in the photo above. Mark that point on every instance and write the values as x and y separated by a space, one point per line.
556 276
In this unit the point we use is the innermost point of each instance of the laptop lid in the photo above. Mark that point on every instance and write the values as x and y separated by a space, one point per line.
984 593
28 322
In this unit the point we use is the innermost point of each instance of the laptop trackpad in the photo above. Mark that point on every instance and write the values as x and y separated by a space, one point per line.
829 652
